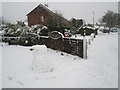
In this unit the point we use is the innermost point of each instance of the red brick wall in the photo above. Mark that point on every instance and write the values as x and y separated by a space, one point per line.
35 17
45 14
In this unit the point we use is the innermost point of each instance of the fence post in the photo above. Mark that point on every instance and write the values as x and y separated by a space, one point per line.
84 48
89 41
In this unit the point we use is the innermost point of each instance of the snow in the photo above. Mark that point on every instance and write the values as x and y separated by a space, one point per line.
26 23
19 29
78 36
87 27
99 70
44 27
61 34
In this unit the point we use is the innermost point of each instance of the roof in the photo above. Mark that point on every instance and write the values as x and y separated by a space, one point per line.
43 6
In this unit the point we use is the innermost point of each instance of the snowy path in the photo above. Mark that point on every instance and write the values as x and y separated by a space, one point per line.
100 70
105 58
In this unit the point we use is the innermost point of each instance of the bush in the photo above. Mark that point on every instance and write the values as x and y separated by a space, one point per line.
44 32
86 30
39 29
28 39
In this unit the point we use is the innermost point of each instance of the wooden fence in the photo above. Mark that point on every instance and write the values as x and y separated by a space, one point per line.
76 47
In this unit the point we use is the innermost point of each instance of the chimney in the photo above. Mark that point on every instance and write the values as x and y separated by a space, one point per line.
46 5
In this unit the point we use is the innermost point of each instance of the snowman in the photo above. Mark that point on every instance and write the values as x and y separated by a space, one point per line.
40 61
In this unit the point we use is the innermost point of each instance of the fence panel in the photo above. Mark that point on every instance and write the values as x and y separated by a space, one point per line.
71 46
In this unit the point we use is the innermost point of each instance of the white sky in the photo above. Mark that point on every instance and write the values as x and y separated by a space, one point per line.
60 0
0 9
14 11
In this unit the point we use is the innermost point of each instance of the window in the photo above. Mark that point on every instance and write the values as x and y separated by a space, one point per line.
42 18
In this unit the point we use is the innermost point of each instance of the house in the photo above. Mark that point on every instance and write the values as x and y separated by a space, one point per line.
42 15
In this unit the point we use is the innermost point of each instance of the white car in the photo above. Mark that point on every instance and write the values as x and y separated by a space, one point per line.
114 29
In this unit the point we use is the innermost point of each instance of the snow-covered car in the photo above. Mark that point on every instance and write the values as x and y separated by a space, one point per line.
106 30
114 29
101 28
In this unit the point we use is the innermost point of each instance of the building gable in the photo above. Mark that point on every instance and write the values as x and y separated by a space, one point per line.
41 14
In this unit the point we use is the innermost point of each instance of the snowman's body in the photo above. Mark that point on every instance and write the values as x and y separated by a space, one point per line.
40 61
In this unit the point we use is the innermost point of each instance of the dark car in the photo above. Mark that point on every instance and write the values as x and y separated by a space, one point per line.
106 30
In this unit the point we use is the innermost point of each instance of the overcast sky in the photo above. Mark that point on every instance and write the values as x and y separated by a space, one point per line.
14 11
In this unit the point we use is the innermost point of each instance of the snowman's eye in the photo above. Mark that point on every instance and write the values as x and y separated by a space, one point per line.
31 49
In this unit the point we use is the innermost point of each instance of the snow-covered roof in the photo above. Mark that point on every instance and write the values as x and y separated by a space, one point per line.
43 6
46 8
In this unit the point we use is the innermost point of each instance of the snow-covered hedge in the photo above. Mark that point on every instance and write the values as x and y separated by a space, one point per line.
87 30
29 39
21 34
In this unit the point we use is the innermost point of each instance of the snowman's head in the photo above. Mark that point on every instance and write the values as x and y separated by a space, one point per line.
34 49
39 48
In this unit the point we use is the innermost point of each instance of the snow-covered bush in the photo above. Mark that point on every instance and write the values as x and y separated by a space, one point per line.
73 30
18 31
14 29
27 35
29 39
39 29
87 30
20 23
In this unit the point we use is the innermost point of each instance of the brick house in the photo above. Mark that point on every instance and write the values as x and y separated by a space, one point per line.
41 15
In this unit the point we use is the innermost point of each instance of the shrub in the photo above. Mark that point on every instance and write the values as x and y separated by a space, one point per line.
29 39
86 30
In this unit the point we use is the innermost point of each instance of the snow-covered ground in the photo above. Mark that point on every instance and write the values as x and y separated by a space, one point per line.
99 70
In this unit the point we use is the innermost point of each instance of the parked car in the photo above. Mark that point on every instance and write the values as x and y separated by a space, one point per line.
101 28
106 30
114 29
